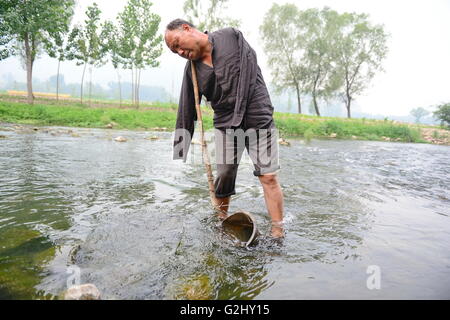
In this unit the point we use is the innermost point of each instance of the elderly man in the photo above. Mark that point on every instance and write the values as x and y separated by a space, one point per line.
229 77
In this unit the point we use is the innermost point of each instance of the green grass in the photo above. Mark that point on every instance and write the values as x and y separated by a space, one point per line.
81 116
363 129
71 113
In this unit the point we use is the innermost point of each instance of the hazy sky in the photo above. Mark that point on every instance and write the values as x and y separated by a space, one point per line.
417 68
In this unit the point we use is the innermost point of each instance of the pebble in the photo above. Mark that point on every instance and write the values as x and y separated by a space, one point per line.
120 139
86 291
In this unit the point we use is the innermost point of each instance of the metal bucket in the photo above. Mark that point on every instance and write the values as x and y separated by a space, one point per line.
241 226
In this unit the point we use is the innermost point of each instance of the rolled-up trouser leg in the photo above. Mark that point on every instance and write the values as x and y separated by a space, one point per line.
226 180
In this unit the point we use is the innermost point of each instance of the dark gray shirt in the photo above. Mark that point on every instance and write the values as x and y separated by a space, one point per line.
234 85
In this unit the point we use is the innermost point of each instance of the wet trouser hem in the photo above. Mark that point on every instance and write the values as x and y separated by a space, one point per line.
259 172
225 195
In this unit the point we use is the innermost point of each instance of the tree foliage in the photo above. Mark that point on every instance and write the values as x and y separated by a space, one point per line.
321 53
285 49
360 50
84 44
209 14
5 39
443 114
419 113
139 42
28 24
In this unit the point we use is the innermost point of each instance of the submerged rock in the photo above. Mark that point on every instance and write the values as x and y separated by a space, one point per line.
111 125
120 139
283 142
159 129
86 291
197 287
2 136
152 138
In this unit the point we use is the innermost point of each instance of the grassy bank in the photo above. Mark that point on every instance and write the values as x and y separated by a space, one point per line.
342 128
148 116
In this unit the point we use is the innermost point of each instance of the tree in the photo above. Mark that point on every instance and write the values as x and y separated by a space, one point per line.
208 14
443 114
140 44
56 46
284 45
419 113
29 22
359 51
84 44
111 41
320 29
5 40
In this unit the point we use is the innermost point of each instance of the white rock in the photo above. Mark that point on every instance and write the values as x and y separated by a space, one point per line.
284 142
120 139
86 291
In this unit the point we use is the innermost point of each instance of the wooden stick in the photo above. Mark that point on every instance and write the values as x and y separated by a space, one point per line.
209 174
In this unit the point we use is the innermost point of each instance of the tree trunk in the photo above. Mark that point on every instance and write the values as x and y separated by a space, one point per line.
90 84
136 103
120 89
57 82
29 64
138 87
316 107
348 102
298 99
82 81
132 86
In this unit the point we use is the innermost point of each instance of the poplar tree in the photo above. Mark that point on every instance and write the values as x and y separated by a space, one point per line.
28 23
360 49
140 43
85 45
285 48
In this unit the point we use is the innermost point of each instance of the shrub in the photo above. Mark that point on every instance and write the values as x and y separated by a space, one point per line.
443 114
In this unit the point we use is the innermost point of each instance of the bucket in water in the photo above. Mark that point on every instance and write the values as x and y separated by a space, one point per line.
241 226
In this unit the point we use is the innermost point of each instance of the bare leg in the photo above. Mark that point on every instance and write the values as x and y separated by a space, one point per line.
221 206
274 202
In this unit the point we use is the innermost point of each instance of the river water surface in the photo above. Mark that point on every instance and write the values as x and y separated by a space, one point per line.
364 220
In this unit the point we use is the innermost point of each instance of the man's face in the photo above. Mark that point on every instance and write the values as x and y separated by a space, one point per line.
183 42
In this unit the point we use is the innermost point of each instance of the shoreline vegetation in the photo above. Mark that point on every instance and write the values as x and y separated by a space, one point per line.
162 116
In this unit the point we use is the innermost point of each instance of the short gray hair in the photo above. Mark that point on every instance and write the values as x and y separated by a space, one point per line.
177 23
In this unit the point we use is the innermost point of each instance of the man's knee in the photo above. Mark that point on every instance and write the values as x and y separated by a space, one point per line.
269 180
226 172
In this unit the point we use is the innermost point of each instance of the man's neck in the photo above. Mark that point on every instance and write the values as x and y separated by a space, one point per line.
207 51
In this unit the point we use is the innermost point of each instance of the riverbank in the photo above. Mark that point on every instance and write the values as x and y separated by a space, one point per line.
162 116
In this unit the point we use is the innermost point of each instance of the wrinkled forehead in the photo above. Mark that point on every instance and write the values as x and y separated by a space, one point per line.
172 35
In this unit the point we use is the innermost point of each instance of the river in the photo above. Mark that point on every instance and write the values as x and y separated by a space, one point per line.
363 220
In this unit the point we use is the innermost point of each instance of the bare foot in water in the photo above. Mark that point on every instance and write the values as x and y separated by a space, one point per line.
277 230
221 215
